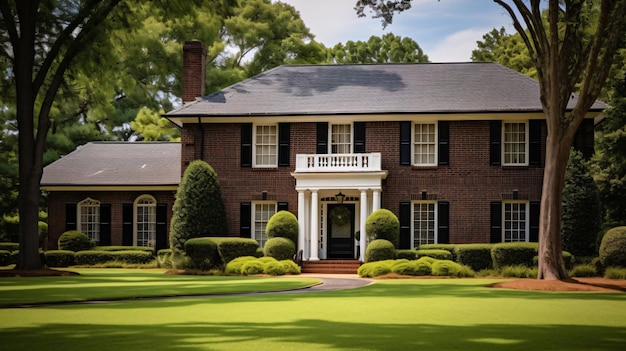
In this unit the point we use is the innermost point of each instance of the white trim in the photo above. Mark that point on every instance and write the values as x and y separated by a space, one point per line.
254 145
436 143
436 220
526 144
526 220
89 203
330 137
151 242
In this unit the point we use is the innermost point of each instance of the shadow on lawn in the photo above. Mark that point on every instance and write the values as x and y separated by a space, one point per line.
304 334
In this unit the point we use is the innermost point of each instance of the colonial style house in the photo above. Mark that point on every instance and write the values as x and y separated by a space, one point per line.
455 150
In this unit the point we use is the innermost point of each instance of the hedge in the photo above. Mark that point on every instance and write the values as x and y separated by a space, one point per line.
59 258
5 257
133 257
283 224
476 256
74 240
447 247
202 253
92 257
234 266
10 246
164 258
231 248
435 253
406 254
513 254
125 248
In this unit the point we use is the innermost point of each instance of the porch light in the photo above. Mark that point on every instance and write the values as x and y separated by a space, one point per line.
340 197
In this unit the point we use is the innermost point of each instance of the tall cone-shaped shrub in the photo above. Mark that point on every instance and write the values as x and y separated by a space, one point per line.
199 208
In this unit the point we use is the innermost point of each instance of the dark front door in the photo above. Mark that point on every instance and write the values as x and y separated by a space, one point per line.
340 231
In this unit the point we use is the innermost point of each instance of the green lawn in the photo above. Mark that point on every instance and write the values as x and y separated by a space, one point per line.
433 314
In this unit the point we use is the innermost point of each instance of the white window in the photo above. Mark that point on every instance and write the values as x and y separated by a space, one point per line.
424 223
424 144
515 145
341 139
89 218
515 221
261 214
145 221
266 146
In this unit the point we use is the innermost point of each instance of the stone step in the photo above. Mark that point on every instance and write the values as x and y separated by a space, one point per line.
331 266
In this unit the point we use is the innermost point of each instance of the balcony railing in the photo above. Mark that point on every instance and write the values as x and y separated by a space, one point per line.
338 163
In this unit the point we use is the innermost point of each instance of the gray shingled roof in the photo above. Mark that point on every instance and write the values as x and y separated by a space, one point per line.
117 163
374 89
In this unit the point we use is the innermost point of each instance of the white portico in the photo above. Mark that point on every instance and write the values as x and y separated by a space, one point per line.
357 179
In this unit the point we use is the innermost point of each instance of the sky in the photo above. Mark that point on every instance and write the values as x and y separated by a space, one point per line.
446 30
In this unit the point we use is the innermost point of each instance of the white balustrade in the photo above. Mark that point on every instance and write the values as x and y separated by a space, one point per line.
338 162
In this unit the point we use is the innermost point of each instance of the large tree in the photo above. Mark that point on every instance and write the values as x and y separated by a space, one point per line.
386 49
570 55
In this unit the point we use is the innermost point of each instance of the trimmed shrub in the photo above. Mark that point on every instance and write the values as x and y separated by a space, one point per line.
406 254
280 248
447 247
92 257
74 240
274 268
202 253
518 271
125 248
133 257
375 269
513 254
252 267
164 258
383 224
435 253
259 252
615 273
599 266
10 246
231 248
476 256
198 210
613 247
421 267
403 267
234 266
290 267
443 268
5 257
283 224
59 258
379 250
568 260
584 270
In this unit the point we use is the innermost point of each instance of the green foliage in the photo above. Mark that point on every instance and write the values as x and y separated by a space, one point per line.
420 267
508 50
435 253
596 262
248 265
9 228
9 246
152 127
512 254
59 258
383 224
583 270
476 256
125 248
449 268
164 258
75 241
5 258
252 267
133 257
518 271
386 49
280 248
615 273
274 268
379 250
375 269
199 208
406 254
581 215
202 253
283 224
290 267
231 248
447 247
234 267
613 247
403 267
93 257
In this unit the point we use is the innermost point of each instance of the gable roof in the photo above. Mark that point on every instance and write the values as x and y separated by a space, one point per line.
374 89
126 164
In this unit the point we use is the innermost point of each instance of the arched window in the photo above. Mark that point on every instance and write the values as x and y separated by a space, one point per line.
145 221
88 218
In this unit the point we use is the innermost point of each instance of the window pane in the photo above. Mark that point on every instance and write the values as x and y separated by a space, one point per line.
266 148
515 222
424 144
514 143
262 213
423 223
341 138
145 213
89 217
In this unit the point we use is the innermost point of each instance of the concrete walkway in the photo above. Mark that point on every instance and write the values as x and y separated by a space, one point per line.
330 282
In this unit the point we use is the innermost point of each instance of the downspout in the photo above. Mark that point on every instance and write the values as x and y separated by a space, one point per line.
201 138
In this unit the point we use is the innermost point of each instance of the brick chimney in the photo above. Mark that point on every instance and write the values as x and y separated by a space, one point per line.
194 70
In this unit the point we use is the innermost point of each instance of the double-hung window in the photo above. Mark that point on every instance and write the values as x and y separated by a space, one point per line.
261 214
265 146
424 144
515 221
89 218
145 221
424 223
341 138
515 144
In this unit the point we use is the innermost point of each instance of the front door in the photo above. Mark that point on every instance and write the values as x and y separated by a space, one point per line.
340 231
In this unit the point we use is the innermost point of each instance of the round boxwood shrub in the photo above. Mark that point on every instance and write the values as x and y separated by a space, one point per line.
283 224
613 247
383 224
375 269
290 267
74 240
279 248
59 258
274 268
379 250
234 266
252 267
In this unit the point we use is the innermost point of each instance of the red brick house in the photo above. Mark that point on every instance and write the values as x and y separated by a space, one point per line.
455 150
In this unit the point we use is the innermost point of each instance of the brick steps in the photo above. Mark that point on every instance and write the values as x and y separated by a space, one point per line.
331 266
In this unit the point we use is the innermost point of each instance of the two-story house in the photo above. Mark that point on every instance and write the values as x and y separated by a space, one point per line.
455 150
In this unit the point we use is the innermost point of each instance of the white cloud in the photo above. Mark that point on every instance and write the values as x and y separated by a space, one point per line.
456 47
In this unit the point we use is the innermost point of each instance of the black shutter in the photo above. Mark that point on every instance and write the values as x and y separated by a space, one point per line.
127 224
495 141
161 227
405 225
359 137
533 234
322 138
443 225
496 222
534 139
246 145
245 220
444 143
405 143
105 225
282 206
284 135
583 139
70 217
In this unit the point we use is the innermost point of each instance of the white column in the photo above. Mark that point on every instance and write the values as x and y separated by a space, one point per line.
301 221
363 218
376 200
315 233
